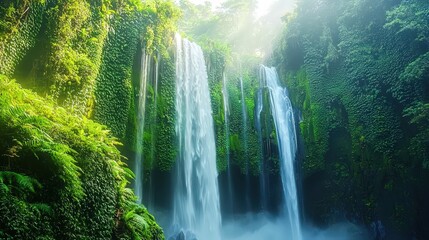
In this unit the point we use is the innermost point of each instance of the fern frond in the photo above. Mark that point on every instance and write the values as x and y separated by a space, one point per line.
127 195
41 208
129 173
18 183
136 223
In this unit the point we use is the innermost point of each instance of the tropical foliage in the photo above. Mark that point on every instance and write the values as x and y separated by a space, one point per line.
61 174
360 74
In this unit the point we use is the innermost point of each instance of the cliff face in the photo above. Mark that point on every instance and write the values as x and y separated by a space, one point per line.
61 175
357 70
360 76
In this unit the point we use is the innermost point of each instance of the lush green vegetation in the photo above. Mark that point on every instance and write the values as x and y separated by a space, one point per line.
115 90
231 56
62 175
159 149
159 152
19 25
359 72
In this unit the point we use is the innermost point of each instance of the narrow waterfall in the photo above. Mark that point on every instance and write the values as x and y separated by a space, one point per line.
282 112
154 73
138 165
243 107
196 197
262 182
244 111
227 147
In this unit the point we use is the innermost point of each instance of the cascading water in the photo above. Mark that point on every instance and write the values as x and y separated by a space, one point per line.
196 197
228 162
244 111
138 165
258 111
281 109
154 73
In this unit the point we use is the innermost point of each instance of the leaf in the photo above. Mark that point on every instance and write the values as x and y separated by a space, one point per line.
18 184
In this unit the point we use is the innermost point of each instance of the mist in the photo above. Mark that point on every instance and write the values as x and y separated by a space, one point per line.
263 226
239 24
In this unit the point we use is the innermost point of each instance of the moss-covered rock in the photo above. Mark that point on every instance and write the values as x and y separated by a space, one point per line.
20 22
69 180
356 73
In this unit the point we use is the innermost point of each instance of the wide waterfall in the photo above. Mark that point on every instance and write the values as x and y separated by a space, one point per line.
282 112
196 197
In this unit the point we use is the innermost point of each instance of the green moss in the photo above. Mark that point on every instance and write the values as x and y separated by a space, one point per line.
245 150
148 25
76 35
82 191
165 126
20 22
361 70
80 55
113 91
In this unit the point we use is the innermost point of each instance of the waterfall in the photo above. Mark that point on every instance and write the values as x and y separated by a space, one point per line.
196 197
282 112
154 73
258 111
138 165
244 111
227 147
243 107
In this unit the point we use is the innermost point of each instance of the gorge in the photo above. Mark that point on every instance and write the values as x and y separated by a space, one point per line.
160 119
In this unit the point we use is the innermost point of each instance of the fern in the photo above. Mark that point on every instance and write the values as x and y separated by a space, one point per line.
3 187
18 184
63 144
41 208
136 223
127 196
